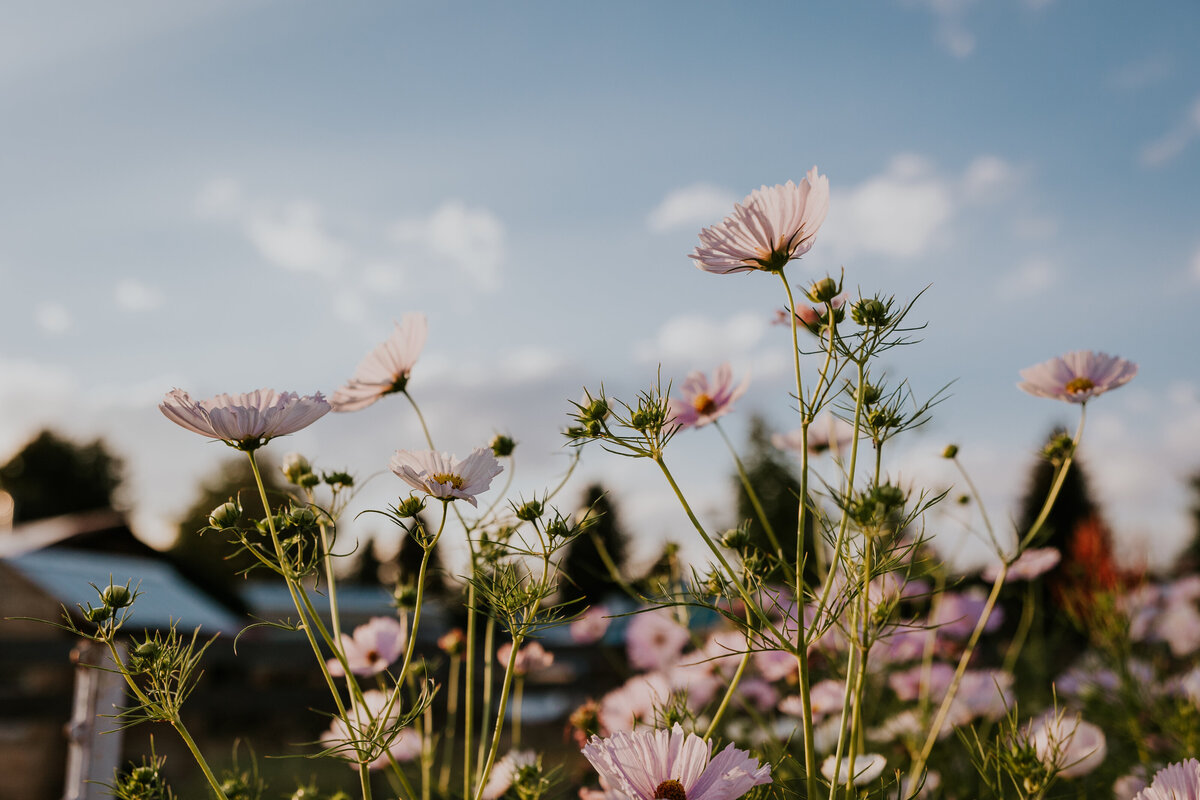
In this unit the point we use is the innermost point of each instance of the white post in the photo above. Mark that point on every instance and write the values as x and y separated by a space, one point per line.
94 751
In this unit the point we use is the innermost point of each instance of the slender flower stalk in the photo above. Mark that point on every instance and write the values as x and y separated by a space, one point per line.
754 501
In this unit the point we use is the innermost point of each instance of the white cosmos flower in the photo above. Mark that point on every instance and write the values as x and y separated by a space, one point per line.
385 369
245 421
444 476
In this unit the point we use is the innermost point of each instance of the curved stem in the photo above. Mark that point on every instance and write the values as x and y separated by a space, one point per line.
1036 527
754 501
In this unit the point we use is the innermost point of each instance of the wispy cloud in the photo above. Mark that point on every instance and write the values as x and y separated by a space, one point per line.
1168 146
469 239
31 395
692 206
1142 73
1029 277
53 318
295 238
132 295
692 340
950 24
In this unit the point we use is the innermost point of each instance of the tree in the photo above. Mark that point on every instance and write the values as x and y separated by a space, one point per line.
52 476
584 574
778 491
406 565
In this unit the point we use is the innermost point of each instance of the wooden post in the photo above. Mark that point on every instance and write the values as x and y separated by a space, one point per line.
94 751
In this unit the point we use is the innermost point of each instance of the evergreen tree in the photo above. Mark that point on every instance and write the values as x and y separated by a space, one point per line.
778 491
584 574
52 476
406 566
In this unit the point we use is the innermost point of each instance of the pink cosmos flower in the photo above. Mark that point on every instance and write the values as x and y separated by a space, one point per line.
592 626
645 765
1179 781
444 476
828 433
812 317
654 639
1073 746
1077 377
634 703
771 227
367 727
956 614
375 645
245 421
530 658
385 369
1031 564
701 403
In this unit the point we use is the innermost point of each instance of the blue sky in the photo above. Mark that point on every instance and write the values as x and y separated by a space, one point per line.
221 196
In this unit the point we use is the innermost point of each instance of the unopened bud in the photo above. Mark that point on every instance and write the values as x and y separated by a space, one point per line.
405 596
336 479
530 511
869 313
824 290
116 597
295 467
951 451
411 507
870 394
97 615
502 446
596 410
225 515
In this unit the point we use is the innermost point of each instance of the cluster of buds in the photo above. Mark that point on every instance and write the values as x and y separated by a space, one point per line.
641 429
298 471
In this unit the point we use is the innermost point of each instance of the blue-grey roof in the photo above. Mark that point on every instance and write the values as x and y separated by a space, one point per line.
165 596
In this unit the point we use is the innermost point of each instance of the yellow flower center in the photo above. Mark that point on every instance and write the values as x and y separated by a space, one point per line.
448 477
1079 385
670 790
703 404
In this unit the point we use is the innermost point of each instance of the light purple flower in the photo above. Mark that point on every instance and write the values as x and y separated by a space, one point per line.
1077 376
530 658
375 645
245 421
702 403
634 703
956 614
829 433
1031 564
812 317
654 639
771 227
1071 745
1179 781
867 767
592 626
644 765
385 369
367 726
444 476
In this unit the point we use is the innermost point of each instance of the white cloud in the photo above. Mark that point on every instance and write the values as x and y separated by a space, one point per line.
52 317
989 178
1168 146
698 205
134 295
695 341
32 396
472 240
1031 276
898 214
529 364
295 239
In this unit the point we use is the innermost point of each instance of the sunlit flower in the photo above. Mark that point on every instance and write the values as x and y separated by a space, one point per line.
1179 781
772 226
530 658
506 771
375 645
385 369
1071 745
1034 562
702 403
654 639
645 765
1077 377
867 767
245 421
366 727
634 703
444 476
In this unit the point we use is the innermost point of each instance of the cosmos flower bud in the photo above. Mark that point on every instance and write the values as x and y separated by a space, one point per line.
116 597
869 313
225 515
411 507
405 596
951 451
303 516
870 394
502 446
596 411
736 538
824 290
530 511
295 467
97 615
339 479
453 643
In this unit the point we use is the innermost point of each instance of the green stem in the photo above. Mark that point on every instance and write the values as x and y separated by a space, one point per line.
1036 527
489 656
364 781
421 575
729 691
754 501
508 680
451 724
191 745
518 699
